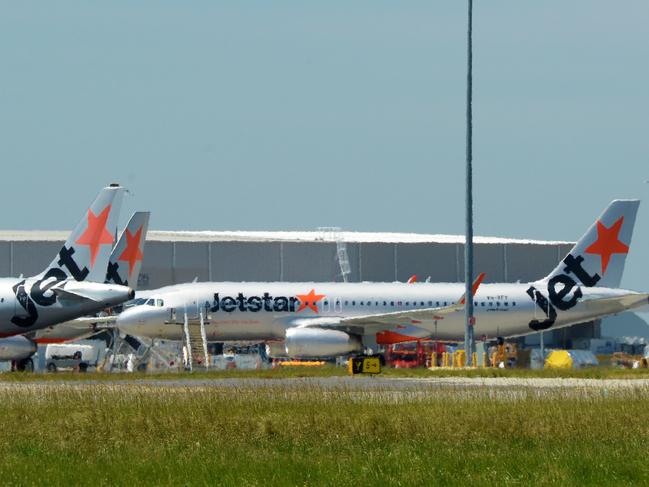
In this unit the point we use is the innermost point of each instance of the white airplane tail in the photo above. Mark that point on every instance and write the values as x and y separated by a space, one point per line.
126 259
85 254
599 256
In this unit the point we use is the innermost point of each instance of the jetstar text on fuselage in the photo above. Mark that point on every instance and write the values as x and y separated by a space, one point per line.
265 302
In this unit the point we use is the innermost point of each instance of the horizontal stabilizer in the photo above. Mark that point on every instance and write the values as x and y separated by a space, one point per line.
73 295
93 292
617 304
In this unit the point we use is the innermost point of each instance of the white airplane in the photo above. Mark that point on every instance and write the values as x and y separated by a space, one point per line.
325 319
72 285
123 268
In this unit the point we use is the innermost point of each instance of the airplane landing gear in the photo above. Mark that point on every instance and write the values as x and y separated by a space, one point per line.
24 365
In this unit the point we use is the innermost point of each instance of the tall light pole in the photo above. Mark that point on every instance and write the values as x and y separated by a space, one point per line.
468 243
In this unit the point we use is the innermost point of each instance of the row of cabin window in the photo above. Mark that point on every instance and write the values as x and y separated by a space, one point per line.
422 303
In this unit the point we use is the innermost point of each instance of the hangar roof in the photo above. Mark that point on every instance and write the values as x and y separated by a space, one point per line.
261 236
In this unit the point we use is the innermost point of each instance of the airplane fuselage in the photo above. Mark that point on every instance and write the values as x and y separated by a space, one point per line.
32 303
264 311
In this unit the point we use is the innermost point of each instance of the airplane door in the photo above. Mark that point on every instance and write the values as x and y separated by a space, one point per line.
192 310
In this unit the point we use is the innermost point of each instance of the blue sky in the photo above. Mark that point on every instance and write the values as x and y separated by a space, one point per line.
294 115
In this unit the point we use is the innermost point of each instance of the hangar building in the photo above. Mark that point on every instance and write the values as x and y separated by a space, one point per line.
324 255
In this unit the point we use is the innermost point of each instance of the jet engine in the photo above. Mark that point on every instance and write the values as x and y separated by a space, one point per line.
319 342
16 348
276 350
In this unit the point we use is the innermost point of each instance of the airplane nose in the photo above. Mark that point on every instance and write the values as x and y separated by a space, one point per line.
140 320
127 317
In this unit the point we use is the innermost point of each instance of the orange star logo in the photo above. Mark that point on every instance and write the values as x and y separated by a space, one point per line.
607 243
309 300
96 233
132 253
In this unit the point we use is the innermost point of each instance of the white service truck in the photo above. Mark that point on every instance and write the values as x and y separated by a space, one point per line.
78 356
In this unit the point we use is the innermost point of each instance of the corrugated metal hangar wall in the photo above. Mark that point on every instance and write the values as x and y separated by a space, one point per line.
169 262
174 262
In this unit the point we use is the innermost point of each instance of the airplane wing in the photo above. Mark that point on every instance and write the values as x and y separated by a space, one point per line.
100 320
374 323
423 318
83 323
399 317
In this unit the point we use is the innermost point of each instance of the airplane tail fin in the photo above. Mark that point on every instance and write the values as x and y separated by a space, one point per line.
599 256
84 256
126 259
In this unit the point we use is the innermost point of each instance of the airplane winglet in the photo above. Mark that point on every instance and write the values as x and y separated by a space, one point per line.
474 288
412 279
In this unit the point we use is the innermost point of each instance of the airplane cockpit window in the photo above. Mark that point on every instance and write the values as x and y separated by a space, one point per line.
150 302
159 303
